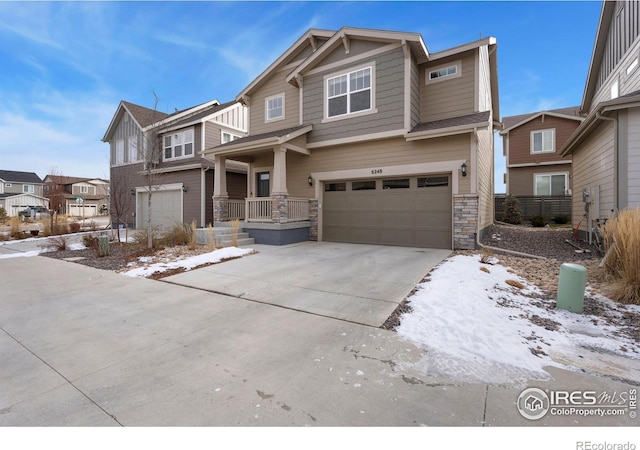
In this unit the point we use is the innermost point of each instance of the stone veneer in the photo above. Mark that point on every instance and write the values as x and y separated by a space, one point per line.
279 208
465 221
220 209
313 219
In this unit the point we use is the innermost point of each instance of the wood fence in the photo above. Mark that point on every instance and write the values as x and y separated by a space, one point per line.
547 206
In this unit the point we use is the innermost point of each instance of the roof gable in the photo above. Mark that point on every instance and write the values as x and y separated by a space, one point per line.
19 177
512 122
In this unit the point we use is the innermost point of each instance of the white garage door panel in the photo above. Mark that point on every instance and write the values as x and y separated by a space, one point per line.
166 209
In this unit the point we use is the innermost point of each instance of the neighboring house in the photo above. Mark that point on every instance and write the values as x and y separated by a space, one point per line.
74 196
19 190
606 146
163 151
365 136
531 145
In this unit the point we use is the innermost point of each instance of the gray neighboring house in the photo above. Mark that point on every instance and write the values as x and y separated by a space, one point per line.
606 146
166 148
76 196
19 190
365 136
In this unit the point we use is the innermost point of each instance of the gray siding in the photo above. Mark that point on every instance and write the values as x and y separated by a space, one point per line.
277 84
484 79
389 100
17 188
627 83
126 128
415 93
485 178
448 98
632 161
356 48
195 158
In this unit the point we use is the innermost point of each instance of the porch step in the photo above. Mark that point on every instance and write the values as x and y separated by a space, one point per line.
223 236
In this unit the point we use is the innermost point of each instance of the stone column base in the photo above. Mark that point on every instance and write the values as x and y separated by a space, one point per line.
313 220
465 221
220 209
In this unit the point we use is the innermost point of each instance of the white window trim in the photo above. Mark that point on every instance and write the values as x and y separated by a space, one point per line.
183 156
28 189
133 157
266 108
550 174
233 136
429 70
84 189
615 88
325 94
119 142
633 66
553 141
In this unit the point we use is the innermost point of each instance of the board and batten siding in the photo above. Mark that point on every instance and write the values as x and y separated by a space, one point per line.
388 88
450 97
485 178
484 79
126 128
275 85
593 165
522 179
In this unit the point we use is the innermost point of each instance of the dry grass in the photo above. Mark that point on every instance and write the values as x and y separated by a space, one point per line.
235 226
211 238
192 236
15 227
515 284
622 260
486 255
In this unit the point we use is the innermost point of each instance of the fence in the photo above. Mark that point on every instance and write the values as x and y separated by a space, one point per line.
546 206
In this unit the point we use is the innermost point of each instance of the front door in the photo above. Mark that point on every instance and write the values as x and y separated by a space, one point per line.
262 184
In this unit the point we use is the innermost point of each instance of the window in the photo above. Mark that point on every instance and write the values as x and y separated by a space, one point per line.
363 185
543 141
433 181
349 93
228 137
28 188
178 145
8 185
551 184
440 73
274 107
402 183
119 151
133 149
335 187
632 66
84 189
615 91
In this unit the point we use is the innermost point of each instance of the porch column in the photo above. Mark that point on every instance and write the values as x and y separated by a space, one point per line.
279 206
220 195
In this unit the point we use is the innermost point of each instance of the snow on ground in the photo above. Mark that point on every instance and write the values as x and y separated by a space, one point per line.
475 327
188 263
44 249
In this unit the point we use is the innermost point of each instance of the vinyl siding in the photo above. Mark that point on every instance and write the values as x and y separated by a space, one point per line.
415 93
125 129
520 139
277 84
485 178
195 158
484 79
448 98
593 166
17 188
521 179
633 159
388 88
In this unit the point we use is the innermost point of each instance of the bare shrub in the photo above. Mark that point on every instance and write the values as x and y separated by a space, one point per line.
141 238
59 243
74 227
15 227
91 241
235 227
211 238
622 259
192 236
177 235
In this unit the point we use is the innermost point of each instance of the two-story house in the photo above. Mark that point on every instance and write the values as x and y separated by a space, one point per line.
365 136
159 155
606 146
75 196
531 144
19 190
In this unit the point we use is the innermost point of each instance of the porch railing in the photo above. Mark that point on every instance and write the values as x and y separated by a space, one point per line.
237 209
260 210
298 209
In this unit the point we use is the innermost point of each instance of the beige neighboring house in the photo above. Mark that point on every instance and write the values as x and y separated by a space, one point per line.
531 145
20 190
606 146
365 136
75 196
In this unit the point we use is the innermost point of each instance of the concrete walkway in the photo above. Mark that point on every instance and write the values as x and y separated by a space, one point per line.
353 282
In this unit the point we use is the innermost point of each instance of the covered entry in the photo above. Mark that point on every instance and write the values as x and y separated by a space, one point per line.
166 207
405 211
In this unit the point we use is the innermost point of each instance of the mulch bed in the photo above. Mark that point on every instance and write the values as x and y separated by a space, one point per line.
119 256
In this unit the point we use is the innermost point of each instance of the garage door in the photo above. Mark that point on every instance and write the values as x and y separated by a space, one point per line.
404 211
166 209
83 210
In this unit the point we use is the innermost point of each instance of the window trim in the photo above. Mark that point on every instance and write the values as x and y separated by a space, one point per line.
119 146
233 136
553 141
550 174
32 189
182 143
132 158
266 108
429 70
84 189
372 92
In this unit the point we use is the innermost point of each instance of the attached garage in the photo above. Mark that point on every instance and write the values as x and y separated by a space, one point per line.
166 207
85 210
405 211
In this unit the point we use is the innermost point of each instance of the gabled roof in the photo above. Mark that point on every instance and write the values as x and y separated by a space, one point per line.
64 180
345 33
313 37
196 118
512 122
460 124
19 177
606 15
264 139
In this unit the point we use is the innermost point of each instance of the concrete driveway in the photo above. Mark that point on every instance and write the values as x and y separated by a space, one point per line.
353 282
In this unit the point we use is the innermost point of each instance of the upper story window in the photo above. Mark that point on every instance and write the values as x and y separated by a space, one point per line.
119 159
615 89
633 66
8 184
133 149
28 188
274 107
349 93
84 189
446 72
178 145
228 137
543 141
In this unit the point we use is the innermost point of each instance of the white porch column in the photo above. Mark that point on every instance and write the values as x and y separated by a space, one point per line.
220 177
279 186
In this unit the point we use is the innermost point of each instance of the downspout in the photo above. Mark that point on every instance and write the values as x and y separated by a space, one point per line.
203 197
616 192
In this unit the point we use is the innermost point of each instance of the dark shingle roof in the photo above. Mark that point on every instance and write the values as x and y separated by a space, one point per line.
144 116
469 119
61 179
257 137
510 121
204 113
19 177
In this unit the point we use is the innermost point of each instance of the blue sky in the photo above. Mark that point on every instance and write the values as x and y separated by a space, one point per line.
66 65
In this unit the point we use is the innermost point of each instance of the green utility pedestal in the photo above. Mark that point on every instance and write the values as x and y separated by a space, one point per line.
573 278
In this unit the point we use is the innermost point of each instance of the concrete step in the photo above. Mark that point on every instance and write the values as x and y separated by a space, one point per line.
241 242
223 237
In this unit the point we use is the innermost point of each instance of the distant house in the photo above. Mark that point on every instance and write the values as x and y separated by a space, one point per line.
606 146
19 190
74 196
531 145
164 150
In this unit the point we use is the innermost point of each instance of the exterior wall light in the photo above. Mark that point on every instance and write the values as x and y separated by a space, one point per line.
184 188
133 192
310 180
463 169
